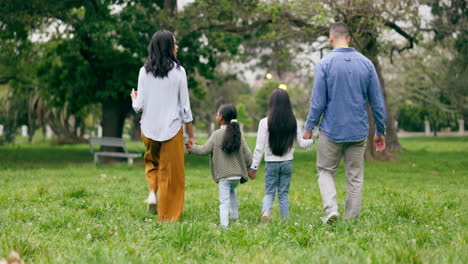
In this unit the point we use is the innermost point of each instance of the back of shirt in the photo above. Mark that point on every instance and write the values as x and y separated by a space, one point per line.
344 81
165 103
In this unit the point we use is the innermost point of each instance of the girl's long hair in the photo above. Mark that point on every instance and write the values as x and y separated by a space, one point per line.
161 57
282 124
232 136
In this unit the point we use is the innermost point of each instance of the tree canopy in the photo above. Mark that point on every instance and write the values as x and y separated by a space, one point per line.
90 51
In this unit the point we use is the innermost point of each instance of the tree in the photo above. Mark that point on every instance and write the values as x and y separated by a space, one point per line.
18 69
367 20
308 22
450 27
94 55
222 89
432 77
12 115
243 116
423 79
85 64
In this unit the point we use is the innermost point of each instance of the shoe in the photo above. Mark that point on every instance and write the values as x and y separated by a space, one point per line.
266 216
330 218
152 203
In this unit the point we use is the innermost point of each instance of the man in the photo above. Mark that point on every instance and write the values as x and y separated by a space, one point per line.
344 81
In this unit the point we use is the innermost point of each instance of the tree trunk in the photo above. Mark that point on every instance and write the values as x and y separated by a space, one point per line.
170 6
136 130
33 101
31 125
41 118
209 131
113 118
62 125
435 126
391 140
365 38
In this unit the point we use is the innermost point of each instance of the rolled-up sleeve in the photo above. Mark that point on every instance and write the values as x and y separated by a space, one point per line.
377 102
318 99
138 103
184 100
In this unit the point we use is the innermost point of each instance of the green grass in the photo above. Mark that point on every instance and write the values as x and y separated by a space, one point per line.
57 207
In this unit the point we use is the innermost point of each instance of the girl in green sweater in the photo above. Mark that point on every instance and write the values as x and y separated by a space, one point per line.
230 157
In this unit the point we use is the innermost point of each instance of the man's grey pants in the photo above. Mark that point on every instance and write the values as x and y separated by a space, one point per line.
328 159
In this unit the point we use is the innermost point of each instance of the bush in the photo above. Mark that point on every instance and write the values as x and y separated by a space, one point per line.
411 118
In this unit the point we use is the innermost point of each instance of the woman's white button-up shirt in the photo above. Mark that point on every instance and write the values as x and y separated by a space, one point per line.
164 102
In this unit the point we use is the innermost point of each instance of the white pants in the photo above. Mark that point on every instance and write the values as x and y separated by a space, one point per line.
228 201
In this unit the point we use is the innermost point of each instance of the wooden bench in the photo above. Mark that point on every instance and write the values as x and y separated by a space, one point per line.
111 142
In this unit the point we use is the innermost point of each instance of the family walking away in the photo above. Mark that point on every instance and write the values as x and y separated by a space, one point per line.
344 82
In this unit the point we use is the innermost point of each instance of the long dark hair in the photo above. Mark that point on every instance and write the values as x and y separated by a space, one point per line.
232 136
161 57
282 124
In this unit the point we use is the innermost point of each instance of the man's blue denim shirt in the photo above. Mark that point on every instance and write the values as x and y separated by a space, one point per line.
343 82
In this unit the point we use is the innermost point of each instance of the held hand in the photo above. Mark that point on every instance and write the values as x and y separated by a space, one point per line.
189 143
308 134
252 174
379 143
133 94
188 148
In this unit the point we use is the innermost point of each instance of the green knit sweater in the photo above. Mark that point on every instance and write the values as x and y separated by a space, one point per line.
225 165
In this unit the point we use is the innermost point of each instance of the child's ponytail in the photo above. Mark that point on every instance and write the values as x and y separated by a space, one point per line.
232 137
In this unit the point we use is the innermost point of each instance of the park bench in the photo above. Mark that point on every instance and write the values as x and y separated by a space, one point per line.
111 142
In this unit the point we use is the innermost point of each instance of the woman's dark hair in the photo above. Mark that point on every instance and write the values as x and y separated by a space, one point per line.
161 57
232 137
282 124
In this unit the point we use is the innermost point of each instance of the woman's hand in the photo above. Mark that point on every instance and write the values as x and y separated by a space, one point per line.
188 148
188 144
133 94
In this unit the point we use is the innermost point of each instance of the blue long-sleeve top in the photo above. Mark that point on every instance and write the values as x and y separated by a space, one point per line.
343 82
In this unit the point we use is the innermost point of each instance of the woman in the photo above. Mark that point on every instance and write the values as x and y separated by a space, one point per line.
163 97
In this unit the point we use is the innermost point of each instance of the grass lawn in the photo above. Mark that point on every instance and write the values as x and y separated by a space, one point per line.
56 206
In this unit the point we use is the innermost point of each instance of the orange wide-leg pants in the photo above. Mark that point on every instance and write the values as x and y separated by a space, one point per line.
165 174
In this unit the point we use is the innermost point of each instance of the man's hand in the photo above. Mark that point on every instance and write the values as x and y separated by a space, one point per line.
133 94
379 143
252 174
308 134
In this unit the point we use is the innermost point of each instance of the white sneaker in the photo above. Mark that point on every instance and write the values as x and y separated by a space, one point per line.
330 218
152 203
266 216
